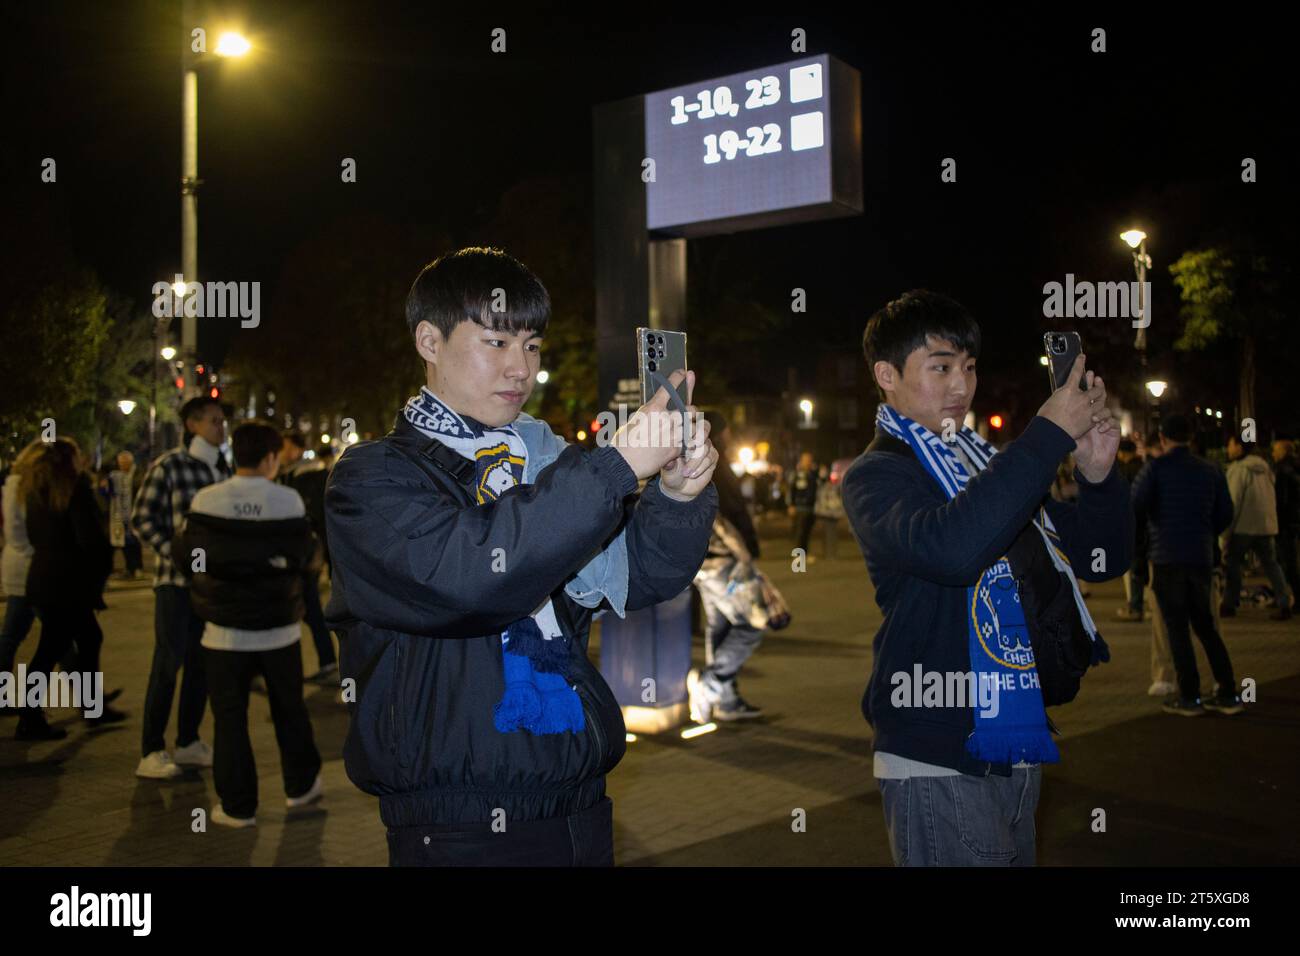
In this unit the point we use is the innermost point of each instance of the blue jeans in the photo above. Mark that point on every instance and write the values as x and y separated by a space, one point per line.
177 633
963 820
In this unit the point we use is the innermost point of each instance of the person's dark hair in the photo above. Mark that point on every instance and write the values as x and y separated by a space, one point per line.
1247 447
1127 444
193 408
904 325
294 437
1175 427
465 285
252 441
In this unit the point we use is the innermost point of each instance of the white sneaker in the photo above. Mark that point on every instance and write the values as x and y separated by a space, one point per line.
197 754
311 796
221 818
158 766
1161 688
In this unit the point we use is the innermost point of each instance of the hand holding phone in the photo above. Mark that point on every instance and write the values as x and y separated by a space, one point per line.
1079 404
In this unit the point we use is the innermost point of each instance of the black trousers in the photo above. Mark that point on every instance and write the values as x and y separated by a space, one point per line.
315 618
585 838
1183 593
230 675
803 525
62 627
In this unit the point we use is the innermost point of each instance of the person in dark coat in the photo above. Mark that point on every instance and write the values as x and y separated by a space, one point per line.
970 556
471 547
71 561
1184 501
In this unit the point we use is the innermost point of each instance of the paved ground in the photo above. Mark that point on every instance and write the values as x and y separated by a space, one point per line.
1213 791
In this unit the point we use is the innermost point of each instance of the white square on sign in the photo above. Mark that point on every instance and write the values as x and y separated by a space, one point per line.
806 83
806 131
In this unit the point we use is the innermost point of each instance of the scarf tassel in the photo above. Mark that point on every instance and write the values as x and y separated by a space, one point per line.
521 705
547 656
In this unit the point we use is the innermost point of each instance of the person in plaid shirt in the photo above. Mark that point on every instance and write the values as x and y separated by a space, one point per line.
160 508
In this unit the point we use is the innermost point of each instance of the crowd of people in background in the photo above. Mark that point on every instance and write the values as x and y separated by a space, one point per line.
230 633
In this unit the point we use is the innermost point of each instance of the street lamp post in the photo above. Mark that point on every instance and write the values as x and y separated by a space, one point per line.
229 45
1137 241
1157 388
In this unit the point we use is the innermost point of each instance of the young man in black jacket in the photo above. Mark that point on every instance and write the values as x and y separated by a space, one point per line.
470 549
955 538
249 545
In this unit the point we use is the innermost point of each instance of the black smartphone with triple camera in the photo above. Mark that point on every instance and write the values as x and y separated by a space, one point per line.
1062 349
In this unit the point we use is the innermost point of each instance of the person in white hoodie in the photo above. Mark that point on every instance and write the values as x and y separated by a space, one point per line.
14 563
1253 528
258 549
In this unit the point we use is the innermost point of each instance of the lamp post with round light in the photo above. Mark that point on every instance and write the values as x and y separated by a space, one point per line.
228 45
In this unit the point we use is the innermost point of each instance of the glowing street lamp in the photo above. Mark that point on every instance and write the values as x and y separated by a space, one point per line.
806 406
167 352
127 406
232 44
1157 388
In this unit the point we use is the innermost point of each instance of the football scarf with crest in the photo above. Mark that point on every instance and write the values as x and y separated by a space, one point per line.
997 636
535 653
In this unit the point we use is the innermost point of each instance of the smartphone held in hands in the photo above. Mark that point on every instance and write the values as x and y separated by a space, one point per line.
659 354
1062 348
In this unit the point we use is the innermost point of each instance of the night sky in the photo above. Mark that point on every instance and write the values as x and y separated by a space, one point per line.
1058 148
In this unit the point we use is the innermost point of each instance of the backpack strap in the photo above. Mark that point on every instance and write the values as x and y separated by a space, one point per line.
460 468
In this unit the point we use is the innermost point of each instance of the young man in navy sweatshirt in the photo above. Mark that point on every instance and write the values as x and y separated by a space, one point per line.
964 543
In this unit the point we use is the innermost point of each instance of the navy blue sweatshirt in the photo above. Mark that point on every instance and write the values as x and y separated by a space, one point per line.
1184 501
923 551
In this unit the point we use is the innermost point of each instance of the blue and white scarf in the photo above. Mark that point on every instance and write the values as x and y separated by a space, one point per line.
535 653
997 636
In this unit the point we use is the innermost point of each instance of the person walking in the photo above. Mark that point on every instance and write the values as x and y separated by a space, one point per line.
804 482
1253 528
123 485
1135 579
14 564
730 640
1286 471
70 563
1184 501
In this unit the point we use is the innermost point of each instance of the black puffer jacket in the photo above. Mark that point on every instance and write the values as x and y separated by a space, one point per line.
424 582
253 569
72 556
